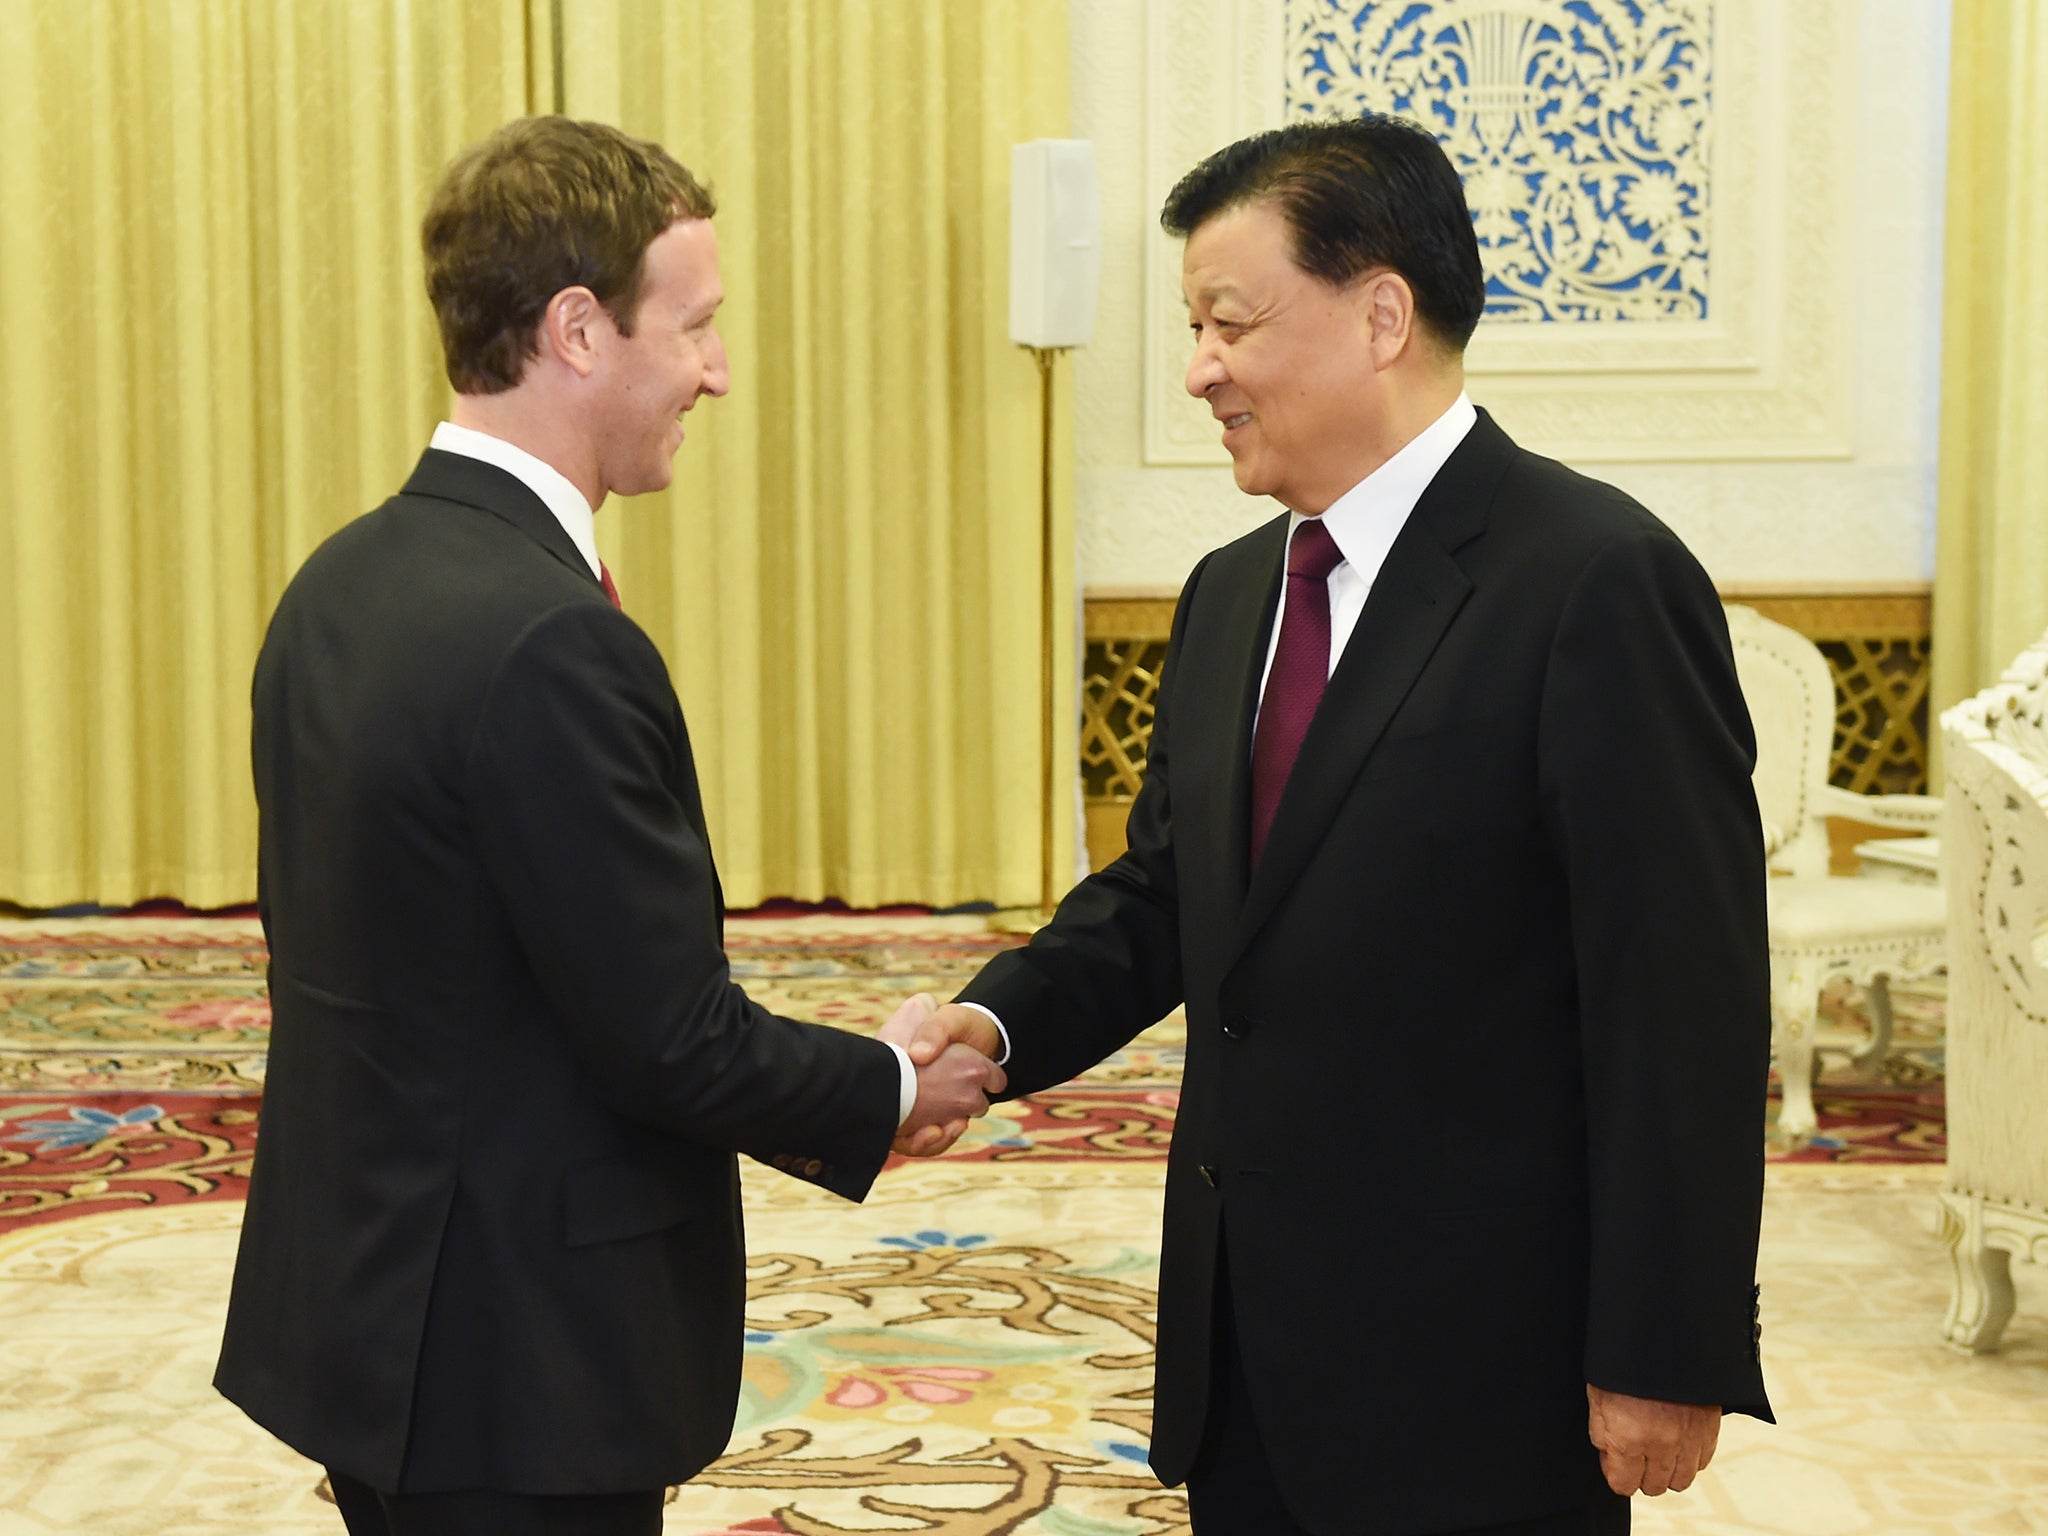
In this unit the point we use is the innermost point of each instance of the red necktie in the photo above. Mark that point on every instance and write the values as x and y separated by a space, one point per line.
1301 669
611 592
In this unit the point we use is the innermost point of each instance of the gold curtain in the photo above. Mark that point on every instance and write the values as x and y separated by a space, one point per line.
845 576
218 351
1991 560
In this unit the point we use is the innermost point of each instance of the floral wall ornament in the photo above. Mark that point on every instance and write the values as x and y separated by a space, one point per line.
1676 199
1583 130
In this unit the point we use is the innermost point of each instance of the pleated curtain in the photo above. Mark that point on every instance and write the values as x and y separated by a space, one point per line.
1991 559
218 352
845 575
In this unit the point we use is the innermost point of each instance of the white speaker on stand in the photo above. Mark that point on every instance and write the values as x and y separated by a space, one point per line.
1055 243
1055 271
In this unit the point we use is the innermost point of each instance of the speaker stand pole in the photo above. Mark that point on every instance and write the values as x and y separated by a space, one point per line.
1026 919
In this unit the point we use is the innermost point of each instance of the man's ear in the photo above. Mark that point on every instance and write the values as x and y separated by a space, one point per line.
572 329
1389 305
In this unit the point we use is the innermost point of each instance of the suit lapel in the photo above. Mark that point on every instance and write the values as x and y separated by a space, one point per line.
1247 627
1413 601
473 483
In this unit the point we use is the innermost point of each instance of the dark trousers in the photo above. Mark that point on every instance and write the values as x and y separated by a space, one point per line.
481 1512
1232 1490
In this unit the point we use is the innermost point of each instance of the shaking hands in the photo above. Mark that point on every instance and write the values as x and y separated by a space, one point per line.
951 1048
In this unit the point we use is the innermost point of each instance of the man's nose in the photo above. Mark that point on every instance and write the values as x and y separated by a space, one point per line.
717 375
1205 370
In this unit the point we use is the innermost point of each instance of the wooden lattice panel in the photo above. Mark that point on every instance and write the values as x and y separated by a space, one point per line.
1876 645
1117 691
1880 714
1877 648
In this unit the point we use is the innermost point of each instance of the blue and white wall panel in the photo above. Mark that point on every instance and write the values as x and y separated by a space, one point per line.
1661 190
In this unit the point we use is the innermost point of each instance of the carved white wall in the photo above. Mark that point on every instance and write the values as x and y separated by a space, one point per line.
1781 416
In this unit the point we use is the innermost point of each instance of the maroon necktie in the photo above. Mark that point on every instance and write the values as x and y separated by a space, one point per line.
1301 668
611 592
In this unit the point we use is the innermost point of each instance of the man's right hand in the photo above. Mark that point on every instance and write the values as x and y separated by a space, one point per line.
952 1088
948 1024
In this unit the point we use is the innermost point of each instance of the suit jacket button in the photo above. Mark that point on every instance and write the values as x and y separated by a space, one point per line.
1234 1026
1209 1173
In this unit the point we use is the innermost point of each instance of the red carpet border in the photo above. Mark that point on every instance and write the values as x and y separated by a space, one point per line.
131 1058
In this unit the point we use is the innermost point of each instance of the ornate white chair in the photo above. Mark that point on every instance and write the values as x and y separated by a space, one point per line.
1995 1198
1823 927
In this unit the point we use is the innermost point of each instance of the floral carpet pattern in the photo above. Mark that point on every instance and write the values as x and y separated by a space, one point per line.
132 1052
968 1353
961 1378
1888 1110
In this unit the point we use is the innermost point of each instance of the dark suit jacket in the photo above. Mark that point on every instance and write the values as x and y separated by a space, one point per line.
493 1233
1476 1060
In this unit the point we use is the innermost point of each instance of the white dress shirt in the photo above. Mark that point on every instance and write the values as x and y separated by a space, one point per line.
579 521
553 487
1364 522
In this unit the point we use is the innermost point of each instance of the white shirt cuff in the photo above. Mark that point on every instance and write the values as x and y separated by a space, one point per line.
1002 1060
906 1095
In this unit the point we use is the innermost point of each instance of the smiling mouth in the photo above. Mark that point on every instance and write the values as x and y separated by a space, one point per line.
1232 423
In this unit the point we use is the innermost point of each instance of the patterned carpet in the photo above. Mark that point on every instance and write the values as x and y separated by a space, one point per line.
903 1377
1883 1111
132 1050
131 1056
968 1353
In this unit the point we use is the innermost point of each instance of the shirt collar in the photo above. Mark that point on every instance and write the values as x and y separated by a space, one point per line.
1366 519
543 479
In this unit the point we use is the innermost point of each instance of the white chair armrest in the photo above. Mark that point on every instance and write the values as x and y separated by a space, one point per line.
1918 813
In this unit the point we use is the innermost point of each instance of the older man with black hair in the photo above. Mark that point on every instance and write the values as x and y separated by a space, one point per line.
1448 844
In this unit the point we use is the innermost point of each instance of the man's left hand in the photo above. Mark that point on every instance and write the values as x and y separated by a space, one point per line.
1647 1446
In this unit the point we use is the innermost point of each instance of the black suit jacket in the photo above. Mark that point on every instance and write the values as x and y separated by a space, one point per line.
493 1232
1476 1059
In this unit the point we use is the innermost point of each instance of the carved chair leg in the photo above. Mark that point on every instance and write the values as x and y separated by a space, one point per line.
1795 1009
1981 1301
1879 993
